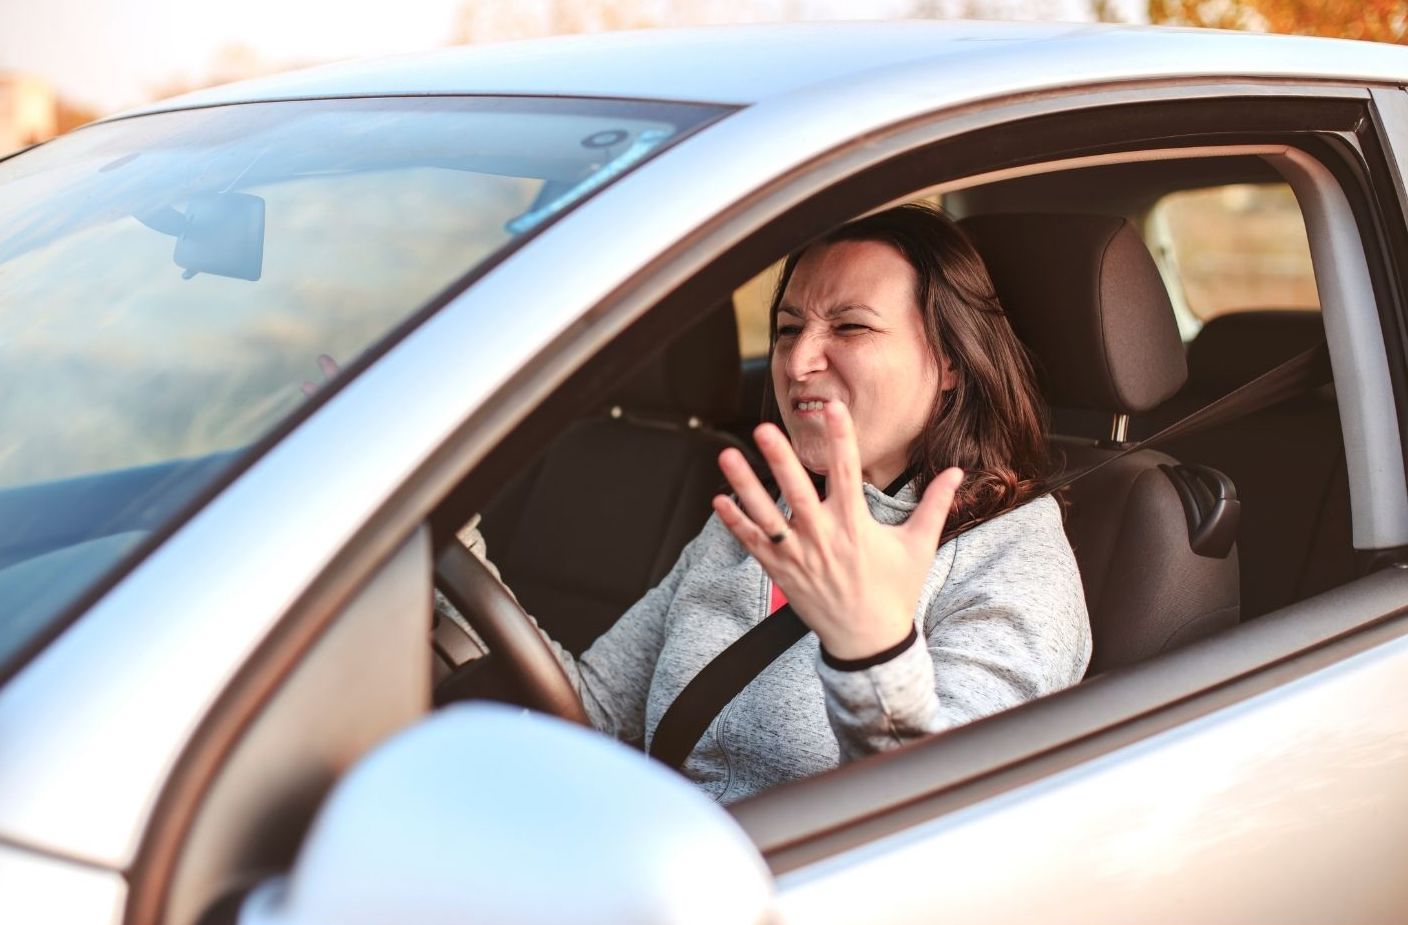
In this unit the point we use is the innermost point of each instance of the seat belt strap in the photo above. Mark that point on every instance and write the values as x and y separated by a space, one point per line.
704 697
1307 370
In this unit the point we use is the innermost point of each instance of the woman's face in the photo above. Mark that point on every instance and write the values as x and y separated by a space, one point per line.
849 330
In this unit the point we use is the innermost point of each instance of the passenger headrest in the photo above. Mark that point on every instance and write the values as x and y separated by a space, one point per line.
697 375
1232 350
1086 298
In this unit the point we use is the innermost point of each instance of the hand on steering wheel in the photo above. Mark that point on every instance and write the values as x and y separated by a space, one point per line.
509 632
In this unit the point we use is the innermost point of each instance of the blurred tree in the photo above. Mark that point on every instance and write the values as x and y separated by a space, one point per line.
231 62
501 20
1107 11
938 9
1017 10
1206 14
1374 20
69 116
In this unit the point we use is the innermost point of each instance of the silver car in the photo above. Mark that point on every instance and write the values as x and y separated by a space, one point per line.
266 349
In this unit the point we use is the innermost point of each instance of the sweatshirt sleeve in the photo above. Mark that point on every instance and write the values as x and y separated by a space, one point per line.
1008 624
613 676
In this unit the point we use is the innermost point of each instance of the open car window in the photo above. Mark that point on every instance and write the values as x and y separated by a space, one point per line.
576 566
1320 541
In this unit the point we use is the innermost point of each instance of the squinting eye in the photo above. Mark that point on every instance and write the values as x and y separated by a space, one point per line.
851 328
789 330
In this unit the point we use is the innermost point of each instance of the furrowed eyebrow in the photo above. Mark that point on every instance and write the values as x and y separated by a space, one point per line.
831 312
850 307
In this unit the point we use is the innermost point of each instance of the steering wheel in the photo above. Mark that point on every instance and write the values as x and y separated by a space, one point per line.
516 645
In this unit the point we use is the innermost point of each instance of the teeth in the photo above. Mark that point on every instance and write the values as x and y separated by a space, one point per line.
810 405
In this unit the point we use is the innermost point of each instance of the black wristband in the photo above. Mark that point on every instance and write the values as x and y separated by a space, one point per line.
880 658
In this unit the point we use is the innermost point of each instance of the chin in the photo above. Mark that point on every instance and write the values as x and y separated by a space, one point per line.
812 458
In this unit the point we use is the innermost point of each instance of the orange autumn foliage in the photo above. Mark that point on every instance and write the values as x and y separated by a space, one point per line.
1373 20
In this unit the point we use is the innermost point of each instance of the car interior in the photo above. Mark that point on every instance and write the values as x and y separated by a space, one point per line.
605 509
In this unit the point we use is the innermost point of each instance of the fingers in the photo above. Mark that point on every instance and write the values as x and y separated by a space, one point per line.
843 475
754 498
927 521
791 477
749 534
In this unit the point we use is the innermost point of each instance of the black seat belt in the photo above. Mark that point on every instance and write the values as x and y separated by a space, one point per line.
720 681
1303 372
730 671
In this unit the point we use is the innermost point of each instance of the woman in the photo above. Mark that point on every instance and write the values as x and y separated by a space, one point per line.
893 368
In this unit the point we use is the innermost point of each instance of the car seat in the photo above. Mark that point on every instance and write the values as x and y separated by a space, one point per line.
604 513
1287 460
1086 298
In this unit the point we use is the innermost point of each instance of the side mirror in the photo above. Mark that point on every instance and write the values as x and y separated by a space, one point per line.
488 813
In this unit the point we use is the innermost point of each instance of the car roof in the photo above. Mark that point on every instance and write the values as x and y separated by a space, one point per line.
747 64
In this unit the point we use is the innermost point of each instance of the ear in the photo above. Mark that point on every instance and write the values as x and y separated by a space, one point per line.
948 378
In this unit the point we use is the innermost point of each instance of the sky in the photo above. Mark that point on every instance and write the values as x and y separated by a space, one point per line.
107 55
110 54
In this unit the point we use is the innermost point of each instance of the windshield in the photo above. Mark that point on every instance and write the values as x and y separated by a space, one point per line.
169 283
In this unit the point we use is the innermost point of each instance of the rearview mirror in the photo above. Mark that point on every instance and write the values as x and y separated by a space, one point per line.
488 813
224 235
219 233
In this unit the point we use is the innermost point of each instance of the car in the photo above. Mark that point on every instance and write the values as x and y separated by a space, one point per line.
268 348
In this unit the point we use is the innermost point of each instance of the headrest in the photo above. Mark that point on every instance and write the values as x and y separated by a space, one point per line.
1086 298
697 375
1232 350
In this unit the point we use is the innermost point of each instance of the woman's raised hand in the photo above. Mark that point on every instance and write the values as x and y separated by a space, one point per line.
853 580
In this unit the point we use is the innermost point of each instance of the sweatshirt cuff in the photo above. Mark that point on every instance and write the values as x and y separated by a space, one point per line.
882 706
879 658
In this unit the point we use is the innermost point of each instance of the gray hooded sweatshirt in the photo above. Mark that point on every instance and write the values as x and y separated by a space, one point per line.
1001 620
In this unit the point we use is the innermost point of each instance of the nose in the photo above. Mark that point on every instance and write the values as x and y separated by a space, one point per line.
806 355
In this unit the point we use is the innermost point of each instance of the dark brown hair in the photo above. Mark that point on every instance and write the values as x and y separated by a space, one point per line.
992 423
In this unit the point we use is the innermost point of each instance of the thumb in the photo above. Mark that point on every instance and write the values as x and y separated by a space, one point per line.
927 521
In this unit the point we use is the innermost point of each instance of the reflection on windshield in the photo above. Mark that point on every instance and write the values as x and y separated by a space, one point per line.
141 364
168 282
